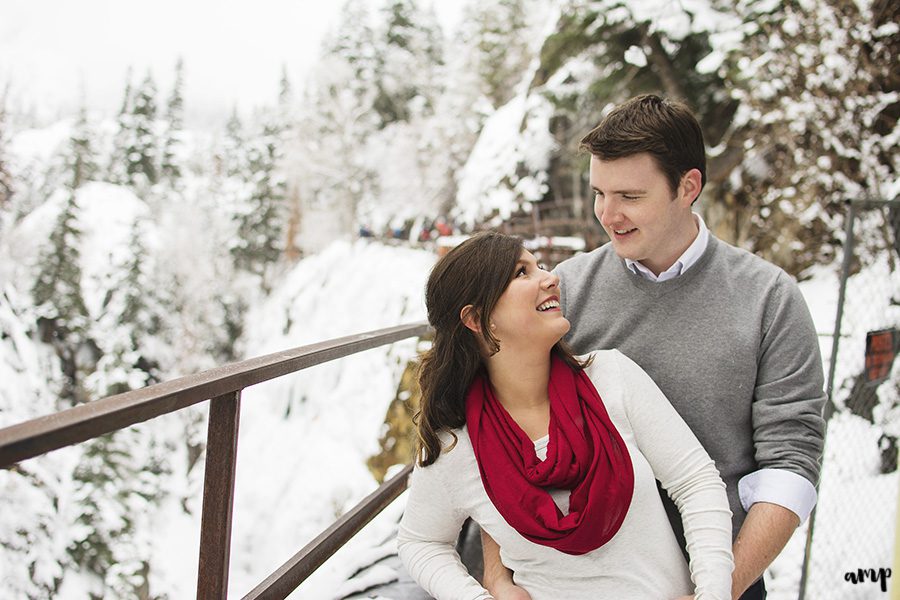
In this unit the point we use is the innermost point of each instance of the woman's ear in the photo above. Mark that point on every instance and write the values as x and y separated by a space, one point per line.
470 318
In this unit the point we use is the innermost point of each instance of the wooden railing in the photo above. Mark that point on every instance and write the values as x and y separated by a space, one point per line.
223 387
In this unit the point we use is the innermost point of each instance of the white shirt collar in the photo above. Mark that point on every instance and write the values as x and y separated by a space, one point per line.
684 262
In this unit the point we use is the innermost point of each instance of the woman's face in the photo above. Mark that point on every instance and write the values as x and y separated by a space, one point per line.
528 310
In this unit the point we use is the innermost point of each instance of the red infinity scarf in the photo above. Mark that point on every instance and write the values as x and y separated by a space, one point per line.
585 454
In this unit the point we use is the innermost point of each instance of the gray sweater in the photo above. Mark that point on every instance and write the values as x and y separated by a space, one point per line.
731 344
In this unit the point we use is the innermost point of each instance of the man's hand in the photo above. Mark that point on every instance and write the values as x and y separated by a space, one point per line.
497 578
507 590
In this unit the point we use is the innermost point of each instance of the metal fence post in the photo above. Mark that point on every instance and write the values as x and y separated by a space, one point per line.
829 403
218 496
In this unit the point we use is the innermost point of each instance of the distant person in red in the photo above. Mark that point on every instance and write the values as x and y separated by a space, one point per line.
555 456
442 227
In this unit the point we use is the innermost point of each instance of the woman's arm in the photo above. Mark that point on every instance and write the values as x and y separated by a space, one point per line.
427 539
689 476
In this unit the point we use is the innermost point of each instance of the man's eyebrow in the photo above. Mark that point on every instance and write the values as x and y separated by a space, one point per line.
628 191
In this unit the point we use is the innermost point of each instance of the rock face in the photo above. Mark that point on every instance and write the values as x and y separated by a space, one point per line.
398 442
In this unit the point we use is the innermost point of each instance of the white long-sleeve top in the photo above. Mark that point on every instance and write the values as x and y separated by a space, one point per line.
642 562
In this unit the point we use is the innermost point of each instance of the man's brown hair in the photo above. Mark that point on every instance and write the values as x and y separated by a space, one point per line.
665 129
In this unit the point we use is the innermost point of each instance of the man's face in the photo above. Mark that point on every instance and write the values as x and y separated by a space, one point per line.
645 219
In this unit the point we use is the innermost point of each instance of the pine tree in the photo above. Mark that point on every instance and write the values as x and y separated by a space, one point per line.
62 317
495 33
57 290
118 480
121 475
260 219
141 146
132 315
349 61
170 167
81 159
408 55
233 153
6 185
285 93
117 170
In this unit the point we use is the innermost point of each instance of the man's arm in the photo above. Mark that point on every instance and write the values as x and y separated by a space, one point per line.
765 531
497 578
788 434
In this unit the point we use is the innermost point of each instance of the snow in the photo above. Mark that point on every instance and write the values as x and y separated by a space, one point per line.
515 135
305 437
634 55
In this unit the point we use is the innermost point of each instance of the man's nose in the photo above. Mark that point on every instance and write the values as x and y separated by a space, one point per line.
607 210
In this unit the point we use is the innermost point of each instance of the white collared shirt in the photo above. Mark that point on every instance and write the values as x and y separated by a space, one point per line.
776 486
684 262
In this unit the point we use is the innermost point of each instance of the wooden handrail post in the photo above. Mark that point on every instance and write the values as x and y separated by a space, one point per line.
218 496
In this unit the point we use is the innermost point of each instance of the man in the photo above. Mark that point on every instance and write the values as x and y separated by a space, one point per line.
726 335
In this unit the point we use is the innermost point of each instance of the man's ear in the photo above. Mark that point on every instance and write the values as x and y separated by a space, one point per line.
691 183
470 318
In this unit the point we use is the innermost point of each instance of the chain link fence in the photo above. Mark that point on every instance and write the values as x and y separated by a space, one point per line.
850 538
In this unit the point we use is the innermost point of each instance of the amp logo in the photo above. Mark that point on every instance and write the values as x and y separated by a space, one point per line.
870 576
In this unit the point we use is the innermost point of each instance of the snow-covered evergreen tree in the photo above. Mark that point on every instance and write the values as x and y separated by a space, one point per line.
82 158
494 36
408 57
57 289
141 149
349 55
131 322
285 98
118 481
325 155
260 215
170 163
117 169
233 158
6 185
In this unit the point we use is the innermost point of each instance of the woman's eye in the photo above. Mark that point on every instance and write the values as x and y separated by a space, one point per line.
520 272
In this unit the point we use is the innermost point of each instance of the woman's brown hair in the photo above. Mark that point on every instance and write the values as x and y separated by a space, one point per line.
476 272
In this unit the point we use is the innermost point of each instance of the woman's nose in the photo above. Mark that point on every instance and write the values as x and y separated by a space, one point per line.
551 281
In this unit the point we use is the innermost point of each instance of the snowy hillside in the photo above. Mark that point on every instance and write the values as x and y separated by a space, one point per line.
304 438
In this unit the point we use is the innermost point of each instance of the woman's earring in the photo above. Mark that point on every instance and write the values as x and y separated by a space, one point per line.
493 326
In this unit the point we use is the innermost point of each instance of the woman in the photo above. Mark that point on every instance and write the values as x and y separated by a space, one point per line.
554 456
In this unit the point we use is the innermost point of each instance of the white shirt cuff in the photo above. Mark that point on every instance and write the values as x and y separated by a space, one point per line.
778 486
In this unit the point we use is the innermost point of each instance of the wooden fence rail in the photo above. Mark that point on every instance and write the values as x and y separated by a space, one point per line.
223 387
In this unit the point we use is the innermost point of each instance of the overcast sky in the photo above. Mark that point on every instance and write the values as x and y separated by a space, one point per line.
233 50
